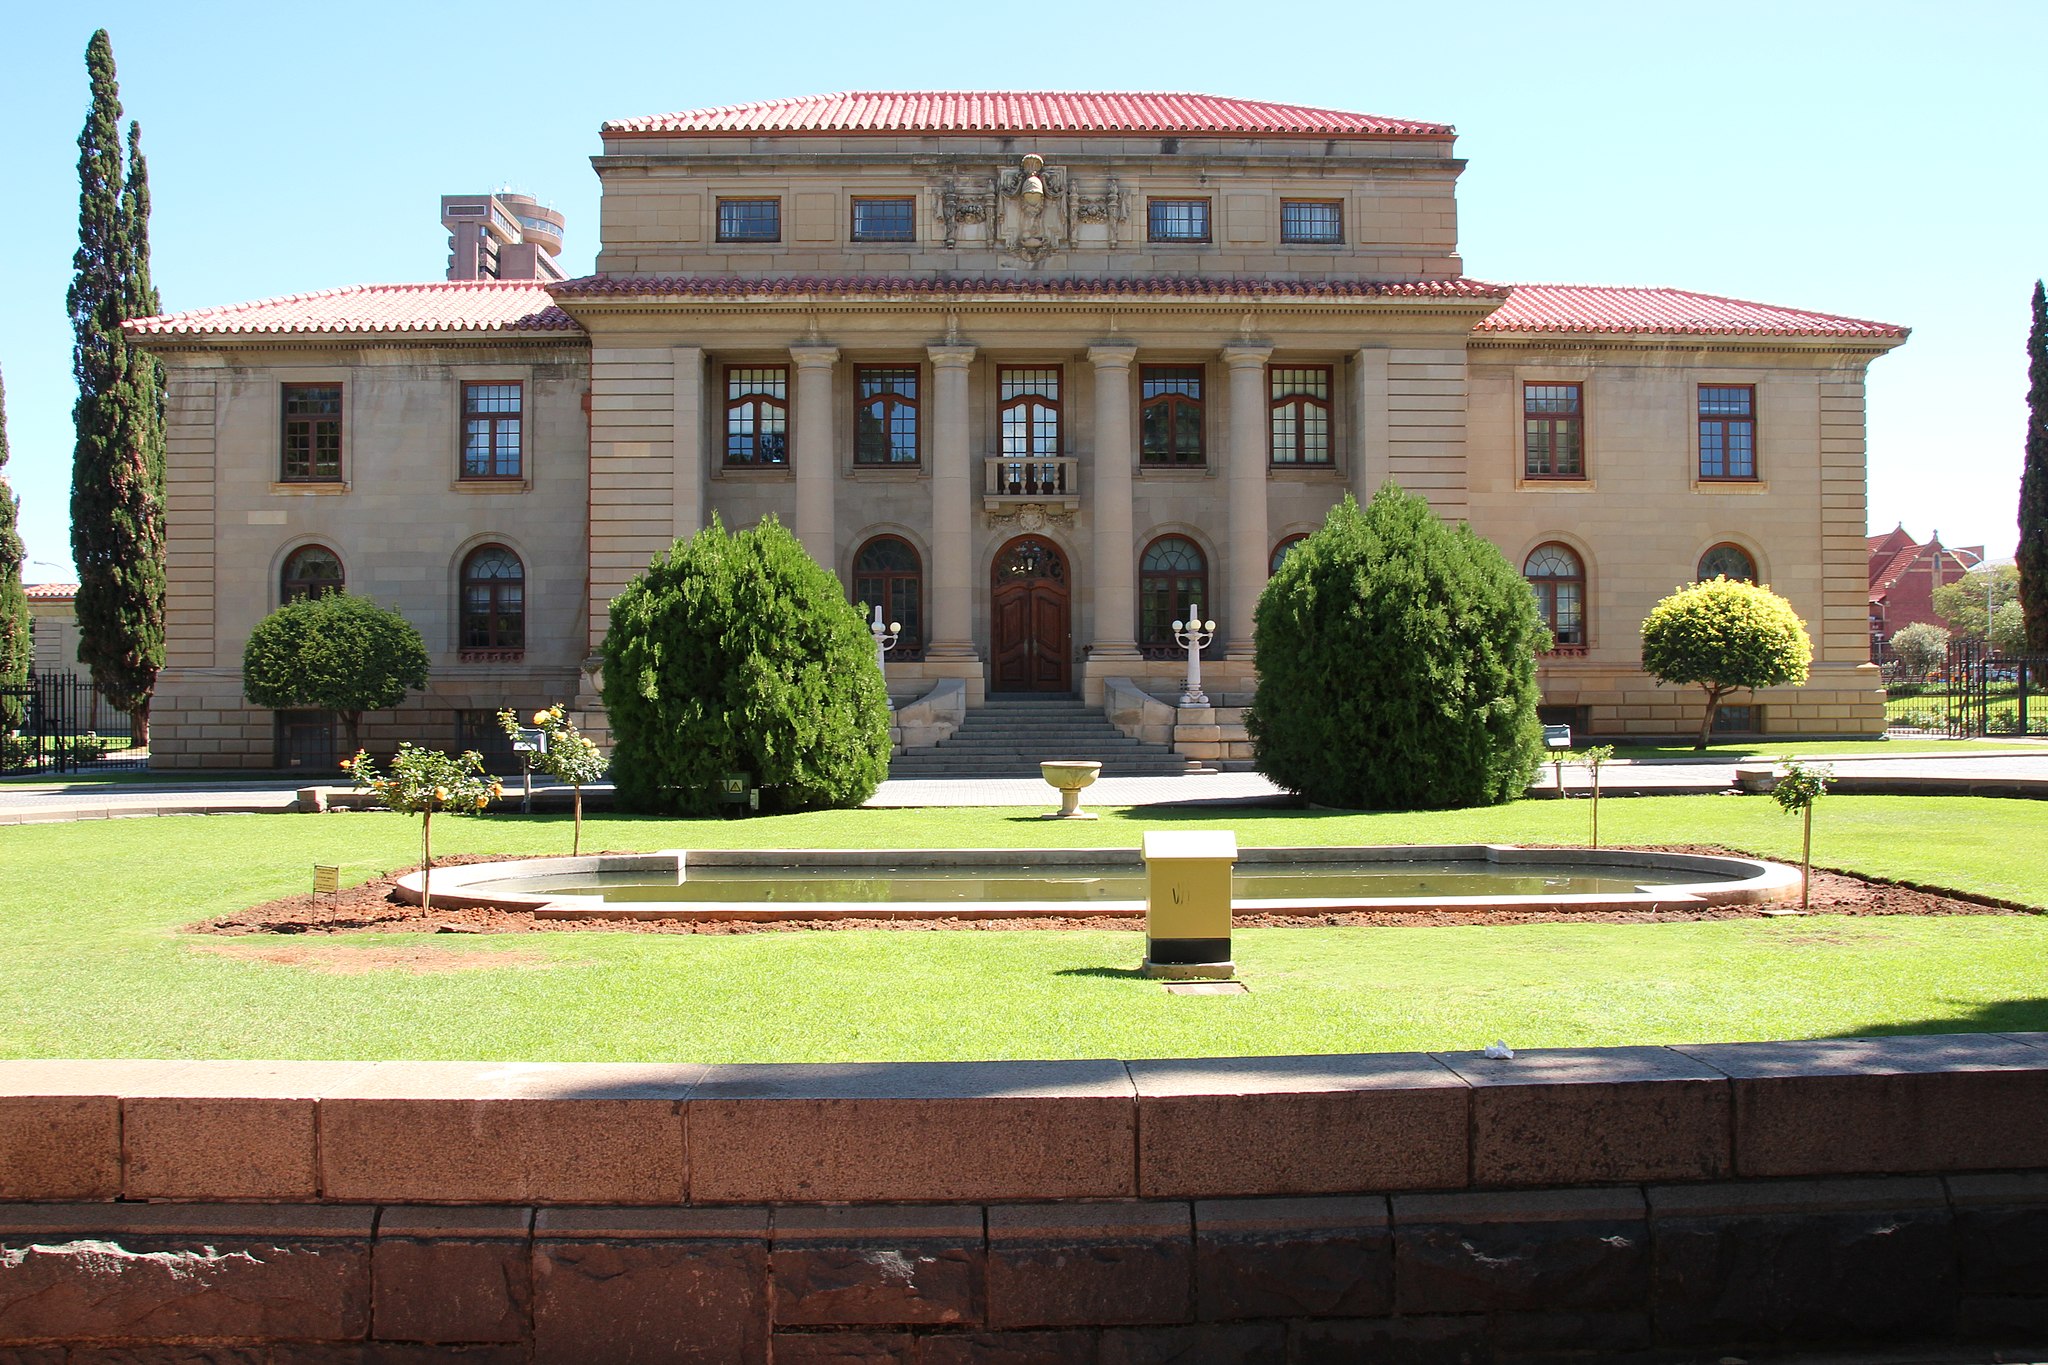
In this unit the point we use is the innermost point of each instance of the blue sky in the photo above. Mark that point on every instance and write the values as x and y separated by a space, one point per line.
1882 160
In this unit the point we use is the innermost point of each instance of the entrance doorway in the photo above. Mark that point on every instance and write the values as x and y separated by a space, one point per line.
1030 640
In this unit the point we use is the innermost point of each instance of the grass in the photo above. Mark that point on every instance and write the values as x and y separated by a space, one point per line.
97 965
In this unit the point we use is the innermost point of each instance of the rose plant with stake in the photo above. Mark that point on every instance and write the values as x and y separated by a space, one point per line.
423 782
568 756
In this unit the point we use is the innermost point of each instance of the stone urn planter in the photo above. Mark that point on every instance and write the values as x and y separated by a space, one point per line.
1068 776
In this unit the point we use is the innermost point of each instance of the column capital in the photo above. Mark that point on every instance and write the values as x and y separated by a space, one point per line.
1243 354
953 354
808 355
1112 355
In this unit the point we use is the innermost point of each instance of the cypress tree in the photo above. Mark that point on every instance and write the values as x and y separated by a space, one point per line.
16 655
2033 551
117 533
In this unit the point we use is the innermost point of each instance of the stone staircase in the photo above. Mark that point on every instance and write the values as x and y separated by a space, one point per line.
1009 737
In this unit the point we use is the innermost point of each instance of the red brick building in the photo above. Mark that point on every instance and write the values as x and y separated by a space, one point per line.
1903 577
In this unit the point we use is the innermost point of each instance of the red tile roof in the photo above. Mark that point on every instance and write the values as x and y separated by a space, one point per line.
1025 111
1616 309
922 286
50 592
438 306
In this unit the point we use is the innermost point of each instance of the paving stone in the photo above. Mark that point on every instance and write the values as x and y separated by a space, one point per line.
1876 1106
1286 1258
1059 1265
1009 1348
1835 1261
649 1285
1217 1127
169 1272
1594 1115
843 1348
887 1266
1533 1251
452 1275
1260 1343
915 1131
1432 1340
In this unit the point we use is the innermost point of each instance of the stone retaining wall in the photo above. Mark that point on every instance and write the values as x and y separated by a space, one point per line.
1712 1199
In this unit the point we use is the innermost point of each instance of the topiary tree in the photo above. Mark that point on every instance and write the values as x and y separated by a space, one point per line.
1725 635
736 652
1396 664
1798 788
1921 648
422 782
333 653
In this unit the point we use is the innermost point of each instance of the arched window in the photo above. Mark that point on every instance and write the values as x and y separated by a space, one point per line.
1172 578
1282 550
1727 561
309 571
493 599
886 573
1560 583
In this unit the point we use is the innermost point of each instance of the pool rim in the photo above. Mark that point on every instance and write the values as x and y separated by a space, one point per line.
1756 882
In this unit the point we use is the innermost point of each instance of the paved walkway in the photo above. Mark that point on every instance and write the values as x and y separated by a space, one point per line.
2018 773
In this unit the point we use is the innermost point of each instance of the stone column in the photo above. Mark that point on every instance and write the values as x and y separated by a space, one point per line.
1116 602
690 468
1369 458
953 497
817 468
1247 456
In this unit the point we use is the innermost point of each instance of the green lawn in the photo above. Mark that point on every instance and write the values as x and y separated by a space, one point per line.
96 964
1732 751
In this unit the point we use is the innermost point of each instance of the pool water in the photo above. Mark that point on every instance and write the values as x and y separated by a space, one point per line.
1024 882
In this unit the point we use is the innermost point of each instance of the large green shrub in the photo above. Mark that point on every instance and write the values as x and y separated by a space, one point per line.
1396 660
737 653
334 653
1725 635
1920 648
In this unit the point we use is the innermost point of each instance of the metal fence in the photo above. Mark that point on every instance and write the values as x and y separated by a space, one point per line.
57 723
1975 693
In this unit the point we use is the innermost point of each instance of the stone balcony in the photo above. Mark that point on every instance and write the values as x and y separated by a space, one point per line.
1053 482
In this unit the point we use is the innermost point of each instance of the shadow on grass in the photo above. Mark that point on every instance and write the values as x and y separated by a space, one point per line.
1996 1016
1112 973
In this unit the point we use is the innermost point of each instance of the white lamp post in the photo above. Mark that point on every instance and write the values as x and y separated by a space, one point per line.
885 640
1194 633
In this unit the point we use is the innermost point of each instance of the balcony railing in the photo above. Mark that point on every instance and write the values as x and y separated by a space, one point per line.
1053 480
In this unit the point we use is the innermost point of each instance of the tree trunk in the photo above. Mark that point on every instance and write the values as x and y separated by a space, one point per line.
426 860
1806 863
138 727
1596 807
576 841
352 729
1714 695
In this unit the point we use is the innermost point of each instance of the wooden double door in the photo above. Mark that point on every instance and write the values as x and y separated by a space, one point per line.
1031 639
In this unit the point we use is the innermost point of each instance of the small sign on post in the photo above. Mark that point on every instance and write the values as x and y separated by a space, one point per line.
326 879
1557 738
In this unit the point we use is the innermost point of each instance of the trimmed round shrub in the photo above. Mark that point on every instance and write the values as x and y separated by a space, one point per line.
1397 664
1725 635
1921 648
737 653
336 652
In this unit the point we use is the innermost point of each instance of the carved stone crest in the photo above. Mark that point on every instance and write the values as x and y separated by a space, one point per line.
1031 516
1034 207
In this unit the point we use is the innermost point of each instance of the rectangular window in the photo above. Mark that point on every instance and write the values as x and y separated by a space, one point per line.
757 416
1312 221
750 220
1727 431
312 433
1553 431
885 220
491 431
1030 403
885 414
1301 414
1177 220
1170 415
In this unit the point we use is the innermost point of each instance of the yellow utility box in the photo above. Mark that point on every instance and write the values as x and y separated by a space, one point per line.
1187 903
